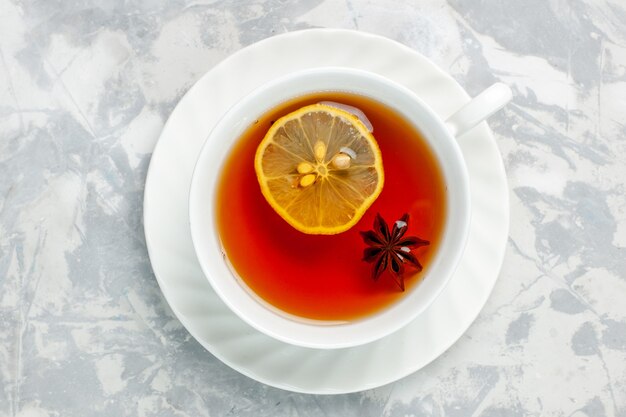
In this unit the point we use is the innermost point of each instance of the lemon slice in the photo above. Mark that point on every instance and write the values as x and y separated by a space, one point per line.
320 169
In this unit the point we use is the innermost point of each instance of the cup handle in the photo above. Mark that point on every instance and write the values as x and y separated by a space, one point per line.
480 108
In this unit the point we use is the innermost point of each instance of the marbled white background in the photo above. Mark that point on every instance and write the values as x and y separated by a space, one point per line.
85 88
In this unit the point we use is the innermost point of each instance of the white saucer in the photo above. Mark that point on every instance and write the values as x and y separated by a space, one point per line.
208 319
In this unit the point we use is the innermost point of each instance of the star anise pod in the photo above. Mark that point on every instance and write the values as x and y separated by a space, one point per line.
388 250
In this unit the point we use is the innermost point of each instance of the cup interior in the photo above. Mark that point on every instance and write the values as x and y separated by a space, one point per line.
211 255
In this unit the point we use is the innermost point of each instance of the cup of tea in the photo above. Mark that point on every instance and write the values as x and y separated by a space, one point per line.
335 244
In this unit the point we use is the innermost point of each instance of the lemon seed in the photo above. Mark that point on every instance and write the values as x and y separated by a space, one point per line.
341 161
304 168
307 180
320 150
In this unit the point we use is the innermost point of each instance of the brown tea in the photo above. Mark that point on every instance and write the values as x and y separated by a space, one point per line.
324 277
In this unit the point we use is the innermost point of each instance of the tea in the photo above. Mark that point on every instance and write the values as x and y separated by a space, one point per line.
323 277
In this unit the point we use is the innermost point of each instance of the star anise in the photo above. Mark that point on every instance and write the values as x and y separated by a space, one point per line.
389 250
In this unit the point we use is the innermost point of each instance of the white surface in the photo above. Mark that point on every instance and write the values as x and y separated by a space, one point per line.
223 333
85 88
209 250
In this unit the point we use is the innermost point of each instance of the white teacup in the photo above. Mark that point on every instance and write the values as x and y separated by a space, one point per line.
441 139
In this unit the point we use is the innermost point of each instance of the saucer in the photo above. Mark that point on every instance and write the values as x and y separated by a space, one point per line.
209 320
